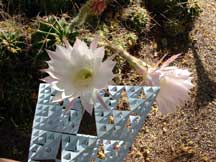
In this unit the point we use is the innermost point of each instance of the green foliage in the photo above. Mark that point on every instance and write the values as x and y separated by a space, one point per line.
52 31
136 18
11 42
11 38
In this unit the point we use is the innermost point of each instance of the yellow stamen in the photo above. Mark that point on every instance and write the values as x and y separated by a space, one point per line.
83 77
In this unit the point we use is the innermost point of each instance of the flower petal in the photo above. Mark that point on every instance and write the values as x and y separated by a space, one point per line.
94 44
77 43
67 44
53 74
70 105
100 99
163 106
104 74
57 97
172 93
169 61
48 79
53 55
174 85
84 50
87 105
99 53
63 52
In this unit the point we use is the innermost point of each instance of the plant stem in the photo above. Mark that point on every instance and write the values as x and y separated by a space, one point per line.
138 64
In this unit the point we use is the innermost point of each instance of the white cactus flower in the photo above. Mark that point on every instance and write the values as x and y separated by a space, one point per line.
78 71
174 85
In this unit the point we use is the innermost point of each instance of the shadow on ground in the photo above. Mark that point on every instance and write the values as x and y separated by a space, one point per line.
173 22
206 88
14 143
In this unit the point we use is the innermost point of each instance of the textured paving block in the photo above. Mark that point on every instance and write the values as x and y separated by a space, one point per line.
51 116
54 134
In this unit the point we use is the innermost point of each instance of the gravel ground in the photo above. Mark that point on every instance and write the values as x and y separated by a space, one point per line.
189 135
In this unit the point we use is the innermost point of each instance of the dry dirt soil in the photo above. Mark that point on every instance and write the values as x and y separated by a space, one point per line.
189 135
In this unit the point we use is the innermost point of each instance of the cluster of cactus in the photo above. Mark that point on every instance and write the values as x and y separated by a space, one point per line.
52 31
136 17
11 39
175 16
11 42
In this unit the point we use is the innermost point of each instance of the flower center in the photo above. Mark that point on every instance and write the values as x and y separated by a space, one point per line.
84 74
83 77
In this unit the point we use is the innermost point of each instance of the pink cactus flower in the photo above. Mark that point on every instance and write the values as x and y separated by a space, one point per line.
78 71
174 85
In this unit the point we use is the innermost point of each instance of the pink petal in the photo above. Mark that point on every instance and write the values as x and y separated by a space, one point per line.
77 43
53 55
94 44
164 106
105 74
53 74
173 93
158 63
70 105
57 97
60 96
174 85
63 53
86 105
169 69
99 52
153 78
112 57
109 64
183 74
67 44
48 79
60 68
100 99
84 50
169 61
